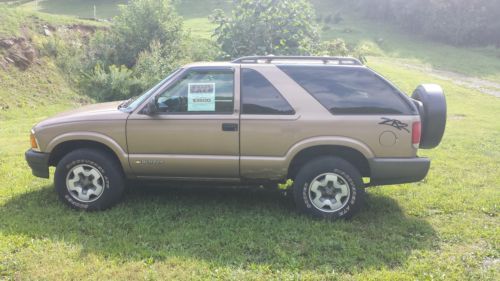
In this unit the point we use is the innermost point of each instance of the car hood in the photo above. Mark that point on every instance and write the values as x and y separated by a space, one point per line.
94 112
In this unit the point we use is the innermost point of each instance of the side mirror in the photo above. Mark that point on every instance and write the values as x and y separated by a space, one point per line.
151 108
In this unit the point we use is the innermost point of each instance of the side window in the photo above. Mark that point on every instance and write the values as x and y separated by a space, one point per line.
347 90
200 92
258 96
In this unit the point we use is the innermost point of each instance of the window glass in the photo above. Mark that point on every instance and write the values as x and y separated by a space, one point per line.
348 90
258 96
202 92
137 101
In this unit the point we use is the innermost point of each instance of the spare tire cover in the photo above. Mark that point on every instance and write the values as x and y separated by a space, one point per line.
432 114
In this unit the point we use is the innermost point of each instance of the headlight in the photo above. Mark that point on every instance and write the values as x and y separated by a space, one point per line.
33 141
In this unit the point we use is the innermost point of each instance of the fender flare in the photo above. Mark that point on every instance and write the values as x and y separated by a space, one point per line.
324 141
94 137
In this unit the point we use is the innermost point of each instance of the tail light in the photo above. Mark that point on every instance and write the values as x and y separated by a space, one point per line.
416 133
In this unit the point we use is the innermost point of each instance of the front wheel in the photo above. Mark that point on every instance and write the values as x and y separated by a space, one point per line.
328 187
89 179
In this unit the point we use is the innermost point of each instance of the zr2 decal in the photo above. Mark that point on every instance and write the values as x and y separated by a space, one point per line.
394 123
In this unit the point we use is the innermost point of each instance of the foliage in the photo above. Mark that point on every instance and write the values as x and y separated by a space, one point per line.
114 83
460 22
338 47
262 27
334 47
152 65
140 23
144 43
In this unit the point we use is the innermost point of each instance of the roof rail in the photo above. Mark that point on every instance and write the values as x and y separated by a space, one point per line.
325 60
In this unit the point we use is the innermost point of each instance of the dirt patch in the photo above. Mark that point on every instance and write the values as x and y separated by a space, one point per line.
18 51
481 85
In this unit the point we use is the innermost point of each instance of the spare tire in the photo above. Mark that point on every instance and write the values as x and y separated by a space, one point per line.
432 113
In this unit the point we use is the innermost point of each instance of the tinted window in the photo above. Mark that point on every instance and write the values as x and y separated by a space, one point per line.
348 90
200 92
258 96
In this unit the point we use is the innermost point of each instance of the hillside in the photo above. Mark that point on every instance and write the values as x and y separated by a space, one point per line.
30 82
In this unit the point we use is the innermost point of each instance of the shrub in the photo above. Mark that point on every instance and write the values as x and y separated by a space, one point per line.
140 23
117 83
279 27
152 65
335 47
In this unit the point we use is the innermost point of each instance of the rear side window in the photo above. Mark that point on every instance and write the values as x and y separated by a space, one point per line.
347 90
258 96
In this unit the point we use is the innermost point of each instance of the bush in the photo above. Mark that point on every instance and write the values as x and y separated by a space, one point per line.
152 65
279 27
139 24
335 47
338 47
117 83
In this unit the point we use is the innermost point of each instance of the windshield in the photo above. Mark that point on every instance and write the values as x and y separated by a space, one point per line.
134 102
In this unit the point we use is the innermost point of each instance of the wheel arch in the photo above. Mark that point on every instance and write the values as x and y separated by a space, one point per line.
349 154
64 144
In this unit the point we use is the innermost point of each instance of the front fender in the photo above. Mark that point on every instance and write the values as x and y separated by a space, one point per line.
94 137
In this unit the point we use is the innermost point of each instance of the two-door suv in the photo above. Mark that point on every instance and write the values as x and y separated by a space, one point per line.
330 124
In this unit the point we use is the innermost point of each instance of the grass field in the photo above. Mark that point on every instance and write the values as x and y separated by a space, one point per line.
444 228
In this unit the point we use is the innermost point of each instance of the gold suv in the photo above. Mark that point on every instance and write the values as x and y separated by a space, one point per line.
324 122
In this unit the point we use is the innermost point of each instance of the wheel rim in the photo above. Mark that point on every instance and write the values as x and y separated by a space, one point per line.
329 192
85 183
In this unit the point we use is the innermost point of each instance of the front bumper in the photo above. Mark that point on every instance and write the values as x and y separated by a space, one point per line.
38 162
387 171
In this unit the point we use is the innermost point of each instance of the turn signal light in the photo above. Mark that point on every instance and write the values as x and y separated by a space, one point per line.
34 144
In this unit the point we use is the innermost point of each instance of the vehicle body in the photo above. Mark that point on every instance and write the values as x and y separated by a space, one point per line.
256 120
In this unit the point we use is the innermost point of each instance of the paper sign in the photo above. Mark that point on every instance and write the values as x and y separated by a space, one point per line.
201 97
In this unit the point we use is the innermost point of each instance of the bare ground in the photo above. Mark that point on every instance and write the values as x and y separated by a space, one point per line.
481 85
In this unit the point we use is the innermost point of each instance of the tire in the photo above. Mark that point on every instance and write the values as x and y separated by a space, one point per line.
337 173
432 114
97 171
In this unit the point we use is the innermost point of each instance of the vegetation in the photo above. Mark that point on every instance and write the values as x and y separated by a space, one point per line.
444 228
278 27
460 22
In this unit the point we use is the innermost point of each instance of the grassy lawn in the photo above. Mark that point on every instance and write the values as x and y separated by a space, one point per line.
444 228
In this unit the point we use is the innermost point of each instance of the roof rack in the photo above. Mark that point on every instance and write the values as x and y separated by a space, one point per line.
325 60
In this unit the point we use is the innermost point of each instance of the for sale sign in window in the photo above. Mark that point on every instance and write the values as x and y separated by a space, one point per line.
201 97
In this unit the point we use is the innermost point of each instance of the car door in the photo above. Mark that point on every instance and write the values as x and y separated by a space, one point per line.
195 131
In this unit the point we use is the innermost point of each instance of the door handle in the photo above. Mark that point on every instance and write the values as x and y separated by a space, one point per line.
230 127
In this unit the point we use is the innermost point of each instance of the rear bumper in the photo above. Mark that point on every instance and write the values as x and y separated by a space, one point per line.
387 171
38 162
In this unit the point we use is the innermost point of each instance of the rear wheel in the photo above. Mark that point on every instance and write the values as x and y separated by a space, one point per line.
328 187
88 179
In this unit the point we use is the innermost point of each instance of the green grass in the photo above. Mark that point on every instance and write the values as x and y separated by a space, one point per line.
444 228
105 9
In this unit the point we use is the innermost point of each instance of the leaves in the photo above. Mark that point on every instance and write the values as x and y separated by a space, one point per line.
262 27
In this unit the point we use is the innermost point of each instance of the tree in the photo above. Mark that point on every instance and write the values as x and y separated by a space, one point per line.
140 23
262 27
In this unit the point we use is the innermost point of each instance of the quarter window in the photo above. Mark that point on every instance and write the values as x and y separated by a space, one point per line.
258 95
200 92
349 90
